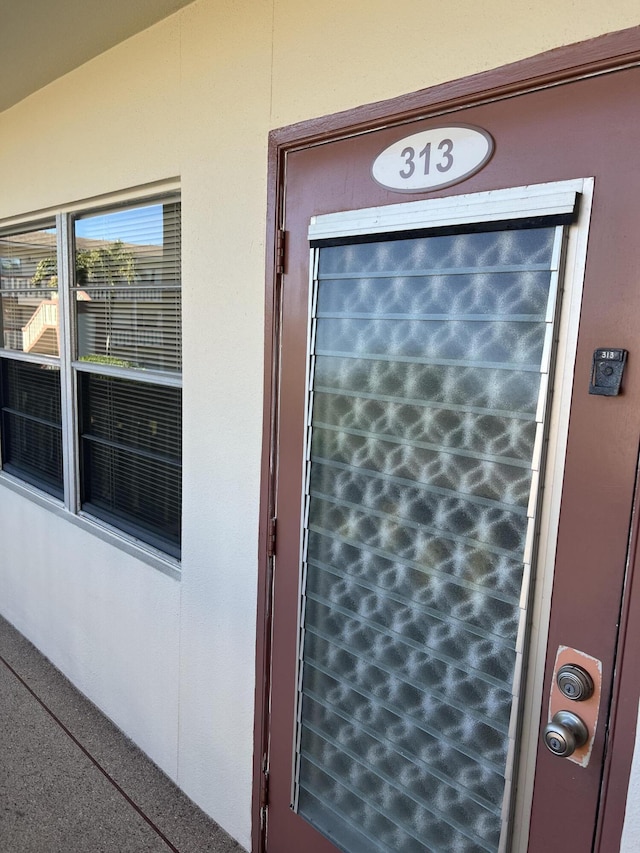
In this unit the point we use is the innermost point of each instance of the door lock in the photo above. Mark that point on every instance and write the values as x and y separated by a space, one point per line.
565 733
576 685
575 682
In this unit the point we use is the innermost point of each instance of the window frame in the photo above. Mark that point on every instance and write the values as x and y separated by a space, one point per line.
107 528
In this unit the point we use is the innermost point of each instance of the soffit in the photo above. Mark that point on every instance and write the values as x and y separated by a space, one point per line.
40 40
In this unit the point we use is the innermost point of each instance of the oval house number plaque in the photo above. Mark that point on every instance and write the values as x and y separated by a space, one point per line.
433 158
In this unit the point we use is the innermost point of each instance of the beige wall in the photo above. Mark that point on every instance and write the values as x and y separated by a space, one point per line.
334 55
194 97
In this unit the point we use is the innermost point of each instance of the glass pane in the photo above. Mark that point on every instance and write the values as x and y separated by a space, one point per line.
130 328
425 386
127 285
30 321
28 292
31 424
131 435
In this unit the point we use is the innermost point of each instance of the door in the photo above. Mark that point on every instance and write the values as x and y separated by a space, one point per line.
440 468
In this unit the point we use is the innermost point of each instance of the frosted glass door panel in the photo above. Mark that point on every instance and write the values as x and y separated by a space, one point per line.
427 382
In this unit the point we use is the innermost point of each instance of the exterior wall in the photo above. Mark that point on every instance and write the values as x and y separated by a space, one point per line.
631 833
172 662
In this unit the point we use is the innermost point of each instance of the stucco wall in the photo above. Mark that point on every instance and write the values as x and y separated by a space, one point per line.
630 842
172 662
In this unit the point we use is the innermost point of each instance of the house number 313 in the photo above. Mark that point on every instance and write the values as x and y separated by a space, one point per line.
433 158
409 154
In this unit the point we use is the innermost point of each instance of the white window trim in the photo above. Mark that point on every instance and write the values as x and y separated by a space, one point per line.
551 199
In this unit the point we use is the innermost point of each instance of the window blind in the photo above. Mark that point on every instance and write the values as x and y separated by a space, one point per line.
31 425
131 437
29 292
126 297
127 287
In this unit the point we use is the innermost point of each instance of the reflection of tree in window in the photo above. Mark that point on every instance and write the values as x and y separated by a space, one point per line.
107 266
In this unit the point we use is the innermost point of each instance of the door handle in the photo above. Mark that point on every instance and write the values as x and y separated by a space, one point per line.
565 733
576 684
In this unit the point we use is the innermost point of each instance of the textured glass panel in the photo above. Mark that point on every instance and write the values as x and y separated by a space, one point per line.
460 430
452 385
425 385
445 339
524 292
131 456
28 292
525 249
31 424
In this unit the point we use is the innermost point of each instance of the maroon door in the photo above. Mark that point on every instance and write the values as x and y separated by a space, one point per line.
408 384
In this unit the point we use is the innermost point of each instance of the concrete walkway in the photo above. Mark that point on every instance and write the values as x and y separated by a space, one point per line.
71 782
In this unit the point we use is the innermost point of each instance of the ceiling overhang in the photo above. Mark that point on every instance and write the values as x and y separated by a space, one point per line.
40 40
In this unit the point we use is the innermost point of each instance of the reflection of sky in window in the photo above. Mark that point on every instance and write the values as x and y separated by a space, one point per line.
142 225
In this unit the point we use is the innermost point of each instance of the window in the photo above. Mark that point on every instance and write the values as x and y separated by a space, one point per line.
30 393
90 365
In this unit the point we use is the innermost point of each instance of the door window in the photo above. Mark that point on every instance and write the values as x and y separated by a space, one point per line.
428 377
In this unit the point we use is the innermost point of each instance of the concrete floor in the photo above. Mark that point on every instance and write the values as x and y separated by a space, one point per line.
71 782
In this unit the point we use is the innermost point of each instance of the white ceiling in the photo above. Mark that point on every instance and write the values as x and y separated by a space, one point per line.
41 40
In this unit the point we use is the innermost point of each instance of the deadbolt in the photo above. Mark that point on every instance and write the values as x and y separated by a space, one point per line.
565 733
575 682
